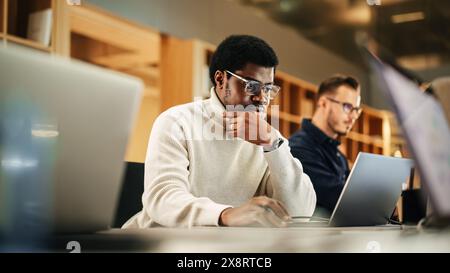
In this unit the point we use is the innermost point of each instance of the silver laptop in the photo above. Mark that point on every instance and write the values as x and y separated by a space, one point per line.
64 132
370 193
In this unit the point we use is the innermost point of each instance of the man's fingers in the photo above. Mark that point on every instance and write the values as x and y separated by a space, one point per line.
230 114
256 212
236 127
264 222
268 218
278 211
262 219
281 206
276 206
249 126
274 219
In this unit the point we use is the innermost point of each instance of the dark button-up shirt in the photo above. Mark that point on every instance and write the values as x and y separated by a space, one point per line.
322 162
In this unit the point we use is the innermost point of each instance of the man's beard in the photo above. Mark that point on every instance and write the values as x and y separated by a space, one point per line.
336 131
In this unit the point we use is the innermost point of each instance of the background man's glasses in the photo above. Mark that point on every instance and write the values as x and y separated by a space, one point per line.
253 88
347 107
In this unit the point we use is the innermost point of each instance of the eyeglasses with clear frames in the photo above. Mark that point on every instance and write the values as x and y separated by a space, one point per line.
347 107
253 88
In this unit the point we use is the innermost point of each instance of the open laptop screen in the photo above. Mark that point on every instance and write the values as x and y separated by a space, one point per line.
426 131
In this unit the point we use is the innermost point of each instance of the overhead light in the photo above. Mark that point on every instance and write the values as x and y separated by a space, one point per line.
408 17
18 163
356 16
43 130
420 62
261 1
373 2
45 133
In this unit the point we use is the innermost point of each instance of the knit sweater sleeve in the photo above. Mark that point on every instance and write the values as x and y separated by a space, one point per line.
286 182
167 199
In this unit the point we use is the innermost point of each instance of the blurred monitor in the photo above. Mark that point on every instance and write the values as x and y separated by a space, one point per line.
64 132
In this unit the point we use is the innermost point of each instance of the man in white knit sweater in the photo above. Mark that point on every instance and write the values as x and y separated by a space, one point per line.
217 162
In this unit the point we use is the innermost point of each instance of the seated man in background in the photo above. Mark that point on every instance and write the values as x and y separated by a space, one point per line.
217 161
316 144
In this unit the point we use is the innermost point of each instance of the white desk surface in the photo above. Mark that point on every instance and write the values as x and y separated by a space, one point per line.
272 240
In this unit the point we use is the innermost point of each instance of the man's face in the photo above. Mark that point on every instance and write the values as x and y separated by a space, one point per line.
337 119
232 91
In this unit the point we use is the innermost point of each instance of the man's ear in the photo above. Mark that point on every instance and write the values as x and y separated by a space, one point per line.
321 102
219 78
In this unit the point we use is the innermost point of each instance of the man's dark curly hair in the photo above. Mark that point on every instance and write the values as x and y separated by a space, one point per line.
238 50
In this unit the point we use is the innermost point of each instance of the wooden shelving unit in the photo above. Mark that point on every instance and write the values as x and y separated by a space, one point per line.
100 38
3 18
103 39
26 42
14 21
184 70
295 102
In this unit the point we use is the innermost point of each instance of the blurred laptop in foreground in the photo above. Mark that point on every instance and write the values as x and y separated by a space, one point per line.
426 131
64 132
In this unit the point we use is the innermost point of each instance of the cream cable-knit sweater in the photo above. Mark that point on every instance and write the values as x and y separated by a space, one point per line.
192 173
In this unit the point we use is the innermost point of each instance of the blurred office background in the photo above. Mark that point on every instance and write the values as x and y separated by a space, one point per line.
314 38
168 44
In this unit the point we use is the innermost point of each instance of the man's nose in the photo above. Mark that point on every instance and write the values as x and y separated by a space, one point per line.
261 98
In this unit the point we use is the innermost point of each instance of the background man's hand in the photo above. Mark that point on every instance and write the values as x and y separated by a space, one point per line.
259 211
